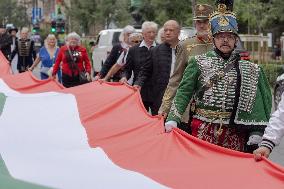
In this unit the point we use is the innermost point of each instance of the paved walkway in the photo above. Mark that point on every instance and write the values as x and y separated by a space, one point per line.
277 154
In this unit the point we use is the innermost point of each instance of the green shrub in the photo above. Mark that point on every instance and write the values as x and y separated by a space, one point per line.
272 71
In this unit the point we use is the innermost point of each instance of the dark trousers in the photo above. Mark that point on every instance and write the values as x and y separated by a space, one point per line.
150 106
70 81
185 127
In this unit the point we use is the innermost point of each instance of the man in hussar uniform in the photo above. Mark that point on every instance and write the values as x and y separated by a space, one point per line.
26 51
232 96
199 44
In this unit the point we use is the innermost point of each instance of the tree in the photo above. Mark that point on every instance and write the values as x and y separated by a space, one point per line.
163 10
12 12
82 15
118 11
87 13
254 16
260 16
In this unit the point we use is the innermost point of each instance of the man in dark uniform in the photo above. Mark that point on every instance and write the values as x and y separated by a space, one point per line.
5 42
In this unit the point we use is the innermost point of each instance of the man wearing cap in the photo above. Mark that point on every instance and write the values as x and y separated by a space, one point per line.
199 44
5 42
232 96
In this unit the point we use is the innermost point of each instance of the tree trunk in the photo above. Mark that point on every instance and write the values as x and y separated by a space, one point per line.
193 3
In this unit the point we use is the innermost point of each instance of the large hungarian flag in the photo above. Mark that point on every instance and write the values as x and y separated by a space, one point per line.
98 135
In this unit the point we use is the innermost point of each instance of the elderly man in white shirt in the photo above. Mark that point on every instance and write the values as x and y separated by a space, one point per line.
273 133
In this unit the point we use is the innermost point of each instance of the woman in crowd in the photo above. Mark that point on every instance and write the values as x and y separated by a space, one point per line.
161 36
115 52
47 55
134 39
74 61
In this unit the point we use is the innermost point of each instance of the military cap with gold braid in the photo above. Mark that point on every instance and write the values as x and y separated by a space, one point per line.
202 12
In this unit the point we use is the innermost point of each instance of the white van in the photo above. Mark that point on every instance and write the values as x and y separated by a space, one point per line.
109 37
106 39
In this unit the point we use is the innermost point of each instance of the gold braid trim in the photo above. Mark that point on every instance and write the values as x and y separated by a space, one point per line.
175 111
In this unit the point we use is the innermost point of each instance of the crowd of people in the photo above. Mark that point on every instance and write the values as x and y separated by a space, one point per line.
199 85
70 63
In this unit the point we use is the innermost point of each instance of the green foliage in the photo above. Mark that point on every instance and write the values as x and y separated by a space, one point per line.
12 12
259 16
254 16
85 43
86 13
163 10
83 13
277 10
272 71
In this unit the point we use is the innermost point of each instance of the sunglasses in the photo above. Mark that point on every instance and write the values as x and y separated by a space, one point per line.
136 42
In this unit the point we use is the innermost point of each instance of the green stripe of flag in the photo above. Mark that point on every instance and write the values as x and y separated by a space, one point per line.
2 102
8 182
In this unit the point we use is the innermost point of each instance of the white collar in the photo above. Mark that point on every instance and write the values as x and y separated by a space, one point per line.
124 45
143 44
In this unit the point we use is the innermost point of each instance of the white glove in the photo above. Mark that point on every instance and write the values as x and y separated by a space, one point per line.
254 139
96 78
88 76
169 125
50 71
123 80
